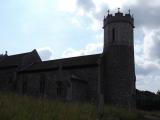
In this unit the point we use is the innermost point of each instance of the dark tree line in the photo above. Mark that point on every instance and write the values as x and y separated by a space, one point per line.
146 100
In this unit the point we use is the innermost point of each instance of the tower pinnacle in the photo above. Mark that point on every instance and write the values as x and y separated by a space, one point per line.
129 11
108 12
118 10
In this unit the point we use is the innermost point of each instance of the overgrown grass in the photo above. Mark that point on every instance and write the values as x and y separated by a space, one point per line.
13 107
150 113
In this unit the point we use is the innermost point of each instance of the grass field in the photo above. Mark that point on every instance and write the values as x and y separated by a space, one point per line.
13 107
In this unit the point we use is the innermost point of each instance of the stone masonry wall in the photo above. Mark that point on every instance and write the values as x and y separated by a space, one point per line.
119 82
30 83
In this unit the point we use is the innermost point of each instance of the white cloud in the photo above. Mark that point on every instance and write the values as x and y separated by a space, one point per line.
67 6
72 53
96 25
152 43
87 5
92 48
147 59
148 82
145 13
45 53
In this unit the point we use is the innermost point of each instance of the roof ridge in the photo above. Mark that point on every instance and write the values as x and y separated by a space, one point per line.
72 57
19 54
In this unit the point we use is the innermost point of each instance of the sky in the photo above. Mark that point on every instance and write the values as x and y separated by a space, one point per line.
61 29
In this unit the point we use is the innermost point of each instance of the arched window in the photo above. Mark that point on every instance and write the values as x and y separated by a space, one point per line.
113 35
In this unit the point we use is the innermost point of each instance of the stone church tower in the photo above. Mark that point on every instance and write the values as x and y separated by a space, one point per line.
118 60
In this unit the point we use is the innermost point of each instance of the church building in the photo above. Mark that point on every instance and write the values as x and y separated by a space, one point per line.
79 79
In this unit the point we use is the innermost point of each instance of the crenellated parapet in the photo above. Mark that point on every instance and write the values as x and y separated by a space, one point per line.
118 17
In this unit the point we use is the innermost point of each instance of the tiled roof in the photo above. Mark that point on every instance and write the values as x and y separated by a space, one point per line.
13 60
65 63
